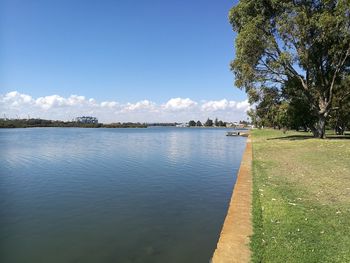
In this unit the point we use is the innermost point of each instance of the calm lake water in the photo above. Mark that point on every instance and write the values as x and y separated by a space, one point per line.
114 195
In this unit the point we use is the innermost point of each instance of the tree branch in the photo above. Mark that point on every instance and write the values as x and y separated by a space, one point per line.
337 69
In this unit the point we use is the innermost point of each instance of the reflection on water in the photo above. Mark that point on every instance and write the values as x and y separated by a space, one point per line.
114 195
173 149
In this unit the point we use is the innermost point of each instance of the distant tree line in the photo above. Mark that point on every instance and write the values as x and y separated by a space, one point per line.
162 124
125 125
30 123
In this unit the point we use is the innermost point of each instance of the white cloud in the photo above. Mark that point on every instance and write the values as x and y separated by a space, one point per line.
74 100
139 106
15 104
243 105
15 99
50 101
223 105
177 104
215 105
109 104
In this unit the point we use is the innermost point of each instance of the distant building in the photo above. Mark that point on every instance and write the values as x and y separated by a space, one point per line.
182 125
235 125
87 120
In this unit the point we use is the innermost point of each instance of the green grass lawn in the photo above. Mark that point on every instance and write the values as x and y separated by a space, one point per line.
301 198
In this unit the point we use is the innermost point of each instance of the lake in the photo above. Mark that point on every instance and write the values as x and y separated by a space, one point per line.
114 195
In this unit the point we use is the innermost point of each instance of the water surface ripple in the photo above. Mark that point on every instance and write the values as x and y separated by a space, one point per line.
114 195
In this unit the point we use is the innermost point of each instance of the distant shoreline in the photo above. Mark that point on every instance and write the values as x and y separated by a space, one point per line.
107 126
41 123
103 127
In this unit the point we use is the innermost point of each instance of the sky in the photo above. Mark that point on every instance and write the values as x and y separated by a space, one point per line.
120 60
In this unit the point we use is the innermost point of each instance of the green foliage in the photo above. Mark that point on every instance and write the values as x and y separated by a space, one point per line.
216 122
340 116
271 110
221 123
125 125
282 117
192 123
209 123
300 45
199 124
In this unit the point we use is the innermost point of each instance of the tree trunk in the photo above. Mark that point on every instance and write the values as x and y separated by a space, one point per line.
319 129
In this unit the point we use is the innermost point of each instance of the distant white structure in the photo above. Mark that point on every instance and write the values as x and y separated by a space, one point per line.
87 120
235 125
182 125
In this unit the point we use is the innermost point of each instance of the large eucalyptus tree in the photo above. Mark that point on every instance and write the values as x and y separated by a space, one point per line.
303 42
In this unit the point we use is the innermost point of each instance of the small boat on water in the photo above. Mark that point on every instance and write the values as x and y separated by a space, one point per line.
237 133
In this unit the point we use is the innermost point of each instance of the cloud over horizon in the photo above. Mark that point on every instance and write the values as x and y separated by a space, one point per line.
15 104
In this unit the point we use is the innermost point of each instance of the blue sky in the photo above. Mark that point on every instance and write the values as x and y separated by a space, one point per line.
120 50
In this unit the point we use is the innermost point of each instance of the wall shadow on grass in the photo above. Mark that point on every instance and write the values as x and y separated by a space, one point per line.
309 136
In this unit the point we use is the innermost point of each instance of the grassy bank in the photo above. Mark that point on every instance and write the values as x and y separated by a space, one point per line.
301 198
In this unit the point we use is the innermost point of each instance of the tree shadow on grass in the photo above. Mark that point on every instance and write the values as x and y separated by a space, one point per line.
338 137
309 136
292 137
